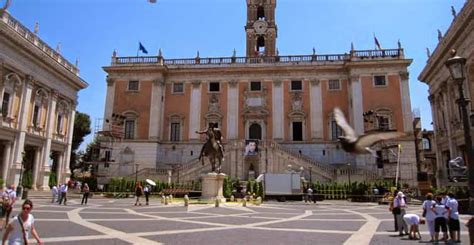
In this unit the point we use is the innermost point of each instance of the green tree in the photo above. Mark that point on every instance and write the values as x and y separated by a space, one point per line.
82 128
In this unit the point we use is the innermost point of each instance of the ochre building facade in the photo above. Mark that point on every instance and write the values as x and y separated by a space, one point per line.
284 102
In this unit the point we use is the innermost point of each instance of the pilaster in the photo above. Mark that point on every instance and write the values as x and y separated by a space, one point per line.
232 110
357 108
278 118
195 110
23 119
316 110
156 107
406 103
6 161
109 102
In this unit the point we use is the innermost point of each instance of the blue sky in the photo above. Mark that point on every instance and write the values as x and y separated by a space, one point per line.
91 29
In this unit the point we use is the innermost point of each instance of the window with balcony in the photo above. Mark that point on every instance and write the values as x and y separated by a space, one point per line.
59 124
133 85
129 129
426 144
36 115
334 85
296 85
380 81
5 104
175 134
178 88
255 86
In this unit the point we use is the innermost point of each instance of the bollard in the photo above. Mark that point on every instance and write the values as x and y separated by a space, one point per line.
186 200
244 202
162 199
171 198
217 202
232 198
166 200
259 201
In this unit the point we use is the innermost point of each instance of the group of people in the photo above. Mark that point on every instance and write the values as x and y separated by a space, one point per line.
440 214
20 227
140 191
59 193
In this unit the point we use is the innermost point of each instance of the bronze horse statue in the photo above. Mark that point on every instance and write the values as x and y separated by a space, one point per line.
212 149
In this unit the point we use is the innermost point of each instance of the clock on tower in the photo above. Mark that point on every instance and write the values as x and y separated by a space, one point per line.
261 29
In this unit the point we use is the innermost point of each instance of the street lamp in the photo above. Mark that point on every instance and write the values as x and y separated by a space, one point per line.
136 172
349 172
455 65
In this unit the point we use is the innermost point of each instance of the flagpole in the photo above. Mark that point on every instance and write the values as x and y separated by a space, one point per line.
375 45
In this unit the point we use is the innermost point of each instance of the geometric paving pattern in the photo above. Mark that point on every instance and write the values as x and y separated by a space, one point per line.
117 221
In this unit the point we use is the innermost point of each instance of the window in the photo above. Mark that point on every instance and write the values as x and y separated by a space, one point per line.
426 144
255 86
379 81
383 122
178 87
5 104
334 85
175 132
133 86
214 87
336 131
129 129
260 13
36 115
296 85
59 124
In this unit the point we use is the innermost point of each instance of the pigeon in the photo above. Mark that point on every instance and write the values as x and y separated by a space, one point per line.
353 143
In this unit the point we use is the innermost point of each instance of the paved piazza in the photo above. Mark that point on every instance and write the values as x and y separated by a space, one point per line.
117 221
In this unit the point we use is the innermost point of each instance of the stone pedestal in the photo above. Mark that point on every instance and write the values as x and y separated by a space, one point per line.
212 187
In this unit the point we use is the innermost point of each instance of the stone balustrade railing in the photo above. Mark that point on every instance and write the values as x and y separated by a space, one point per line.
36 41
354 55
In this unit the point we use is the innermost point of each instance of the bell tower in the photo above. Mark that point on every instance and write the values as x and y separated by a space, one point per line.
261 29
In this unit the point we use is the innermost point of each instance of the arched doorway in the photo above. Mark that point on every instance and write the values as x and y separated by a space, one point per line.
255 131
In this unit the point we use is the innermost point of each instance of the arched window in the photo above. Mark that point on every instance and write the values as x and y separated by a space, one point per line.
255 132
61 116
40 101
10 86
383 119
261 44
426 144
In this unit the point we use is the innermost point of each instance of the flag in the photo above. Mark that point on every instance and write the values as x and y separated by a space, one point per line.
141 48
377 42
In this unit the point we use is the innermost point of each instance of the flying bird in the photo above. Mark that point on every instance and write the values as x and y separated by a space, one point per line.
353 143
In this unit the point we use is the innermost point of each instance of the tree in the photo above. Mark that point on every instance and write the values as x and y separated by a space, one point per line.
82 127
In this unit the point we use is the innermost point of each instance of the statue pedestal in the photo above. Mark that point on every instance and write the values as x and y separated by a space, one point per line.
212 187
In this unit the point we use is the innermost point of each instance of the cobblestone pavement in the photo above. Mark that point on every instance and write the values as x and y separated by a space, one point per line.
117 221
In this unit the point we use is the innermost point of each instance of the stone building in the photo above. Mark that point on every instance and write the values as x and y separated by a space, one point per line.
154 106
38 91
447 121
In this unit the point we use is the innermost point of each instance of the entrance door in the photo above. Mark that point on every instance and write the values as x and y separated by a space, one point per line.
255 132
297 131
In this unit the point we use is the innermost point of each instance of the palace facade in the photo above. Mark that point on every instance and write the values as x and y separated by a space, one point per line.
38 91
447 120
154 105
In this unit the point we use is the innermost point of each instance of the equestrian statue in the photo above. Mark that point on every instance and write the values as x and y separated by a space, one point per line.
212 149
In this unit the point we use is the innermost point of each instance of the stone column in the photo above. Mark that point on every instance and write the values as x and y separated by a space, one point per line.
59 165
406 103
65 171
195 111
22 120
232 110
6 161
278 117
50 127
36 168
316 110
109 102
156 107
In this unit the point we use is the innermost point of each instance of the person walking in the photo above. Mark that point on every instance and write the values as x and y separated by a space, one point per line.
394 211
310 195
441 212
54 193
147 191
9 198
429 214
63 193
399 206
453 219
138 193
85 195
22 227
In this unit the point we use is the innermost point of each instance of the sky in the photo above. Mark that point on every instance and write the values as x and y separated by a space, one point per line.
89 30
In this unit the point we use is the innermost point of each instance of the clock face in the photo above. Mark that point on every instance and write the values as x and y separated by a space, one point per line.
260 26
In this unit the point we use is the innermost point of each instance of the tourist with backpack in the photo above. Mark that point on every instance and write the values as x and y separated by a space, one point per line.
8 198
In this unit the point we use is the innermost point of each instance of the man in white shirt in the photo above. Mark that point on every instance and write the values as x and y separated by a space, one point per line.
399 204
413 221
453 219
9 198
54 193
63 193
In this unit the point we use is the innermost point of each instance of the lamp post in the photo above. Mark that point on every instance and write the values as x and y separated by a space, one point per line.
310 179
136 172
349 173
455 65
